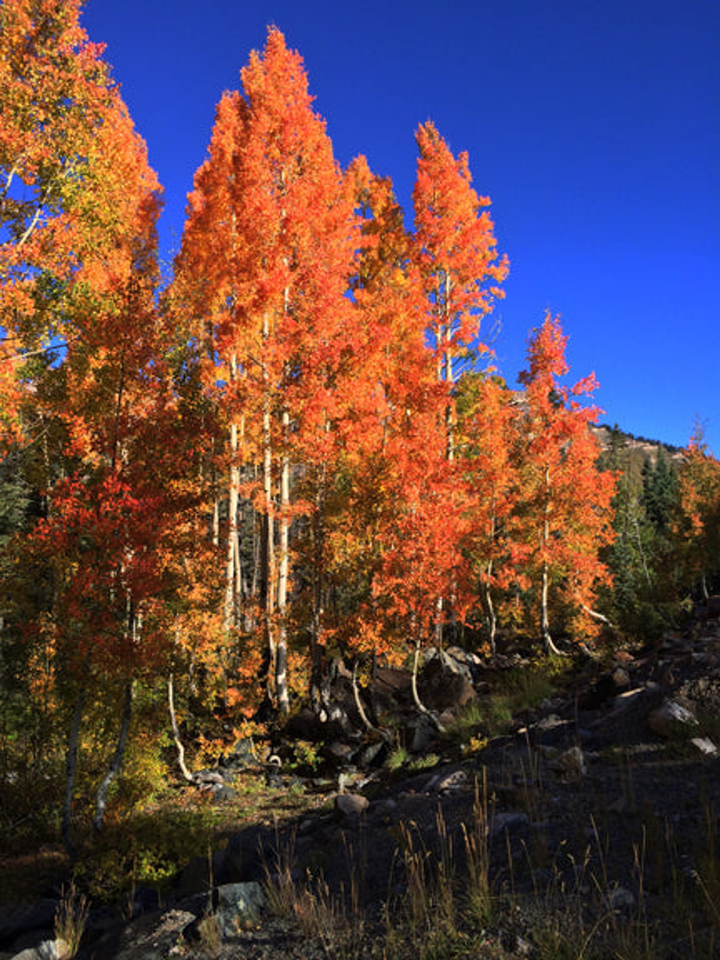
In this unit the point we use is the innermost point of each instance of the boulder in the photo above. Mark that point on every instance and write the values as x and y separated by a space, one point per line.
671 719
444 688
248 856
552 731
242 755
392 687
570 765
350 806
507 821
450 782
424 731
705 746
625 722
47 950
234 904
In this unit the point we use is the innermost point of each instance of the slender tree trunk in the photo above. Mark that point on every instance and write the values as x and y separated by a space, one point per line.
283 574
316 644
438 628
545 582
414 688
70 771
448 373
490 608
550 646
176 732
216 522
231 606
642 550
114 768
268 552
358 702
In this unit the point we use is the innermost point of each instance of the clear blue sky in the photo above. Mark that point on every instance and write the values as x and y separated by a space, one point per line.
593 125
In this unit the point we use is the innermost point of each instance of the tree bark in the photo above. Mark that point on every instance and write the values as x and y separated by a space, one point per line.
114 768
176 732
414 688
283 574
359 704
70 770
231 606
268 552
316 643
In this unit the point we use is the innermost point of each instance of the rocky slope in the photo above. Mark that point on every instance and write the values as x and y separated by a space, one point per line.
594 817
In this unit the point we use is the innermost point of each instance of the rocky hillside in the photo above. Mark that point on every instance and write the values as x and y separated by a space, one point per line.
592 820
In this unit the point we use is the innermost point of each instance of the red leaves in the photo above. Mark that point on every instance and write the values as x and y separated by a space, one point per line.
101 539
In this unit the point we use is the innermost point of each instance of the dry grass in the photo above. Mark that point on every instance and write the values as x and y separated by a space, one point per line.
71 919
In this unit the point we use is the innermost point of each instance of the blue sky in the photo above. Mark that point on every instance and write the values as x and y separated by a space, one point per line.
593 125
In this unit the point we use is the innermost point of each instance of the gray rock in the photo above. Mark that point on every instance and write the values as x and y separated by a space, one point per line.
552 731
620 677
224 794
671 719
248 855
341 752
424 731
207 779
154 939
448 782
372 754
350 806
570 764
17 919
47 950
629 713
705 745
446 684
236 904
506 822
242 755
619 898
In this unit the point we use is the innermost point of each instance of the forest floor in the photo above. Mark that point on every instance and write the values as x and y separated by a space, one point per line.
588 829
